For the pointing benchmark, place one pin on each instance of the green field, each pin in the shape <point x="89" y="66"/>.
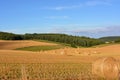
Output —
<point x="104" y="45"/>
<point x="41" y="48"/>
<point x="59" y="43"/>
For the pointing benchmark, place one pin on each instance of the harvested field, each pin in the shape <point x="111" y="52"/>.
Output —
<point x="60" y="64"/>
<point x="65" y="55"/>
<point x="12" y="56"/>
<point x="64" y="71"/>
<point x="22" y="43"/>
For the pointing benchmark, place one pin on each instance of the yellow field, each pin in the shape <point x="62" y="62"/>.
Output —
<point x="61" y="64"/>
<point x="71" y="55"/>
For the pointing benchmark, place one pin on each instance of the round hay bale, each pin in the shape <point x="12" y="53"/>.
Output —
<point x="107" y="68"/>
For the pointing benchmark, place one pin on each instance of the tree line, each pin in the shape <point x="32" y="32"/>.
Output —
<point x="111" y="39"/>
<point x="10" y="36"/>
<point x="74" y="41"/>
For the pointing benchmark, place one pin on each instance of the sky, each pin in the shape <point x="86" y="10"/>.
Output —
<point x="92" y="18"/>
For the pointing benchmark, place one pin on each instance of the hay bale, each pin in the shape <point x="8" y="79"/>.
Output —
<point x="107" y="68"/>
<point x="62" y="52"/>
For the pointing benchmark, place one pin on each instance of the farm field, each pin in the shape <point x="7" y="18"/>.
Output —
<point x="8" y="45"/>
<point x="41" y="48"/>
<point x="47" y="71"/>
<point x="59" y="64"/>
<point x="59" y="40"/>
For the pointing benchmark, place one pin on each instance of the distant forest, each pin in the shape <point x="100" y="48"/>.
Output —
<point x="73" y="41"/>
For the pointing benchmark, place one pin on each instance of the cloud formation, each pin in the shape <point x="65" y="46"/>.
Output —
<point x="107" y="31"/>
<point x="80" y="5"/>
<point x="96" y="33"/>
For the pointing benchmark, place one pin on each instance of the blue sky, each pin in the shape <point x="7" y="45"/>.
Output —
<point x="93" y="18"/>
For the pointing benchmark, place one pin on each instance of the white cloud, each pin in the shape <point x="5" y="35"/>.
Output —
<point x="84" y="4"/>
<point x="66" y="7"/>
<point x="91" y="32"/>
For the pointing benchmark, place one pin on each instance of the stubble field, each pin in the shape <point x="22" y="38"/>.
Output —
<point x="59" y="64"/>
